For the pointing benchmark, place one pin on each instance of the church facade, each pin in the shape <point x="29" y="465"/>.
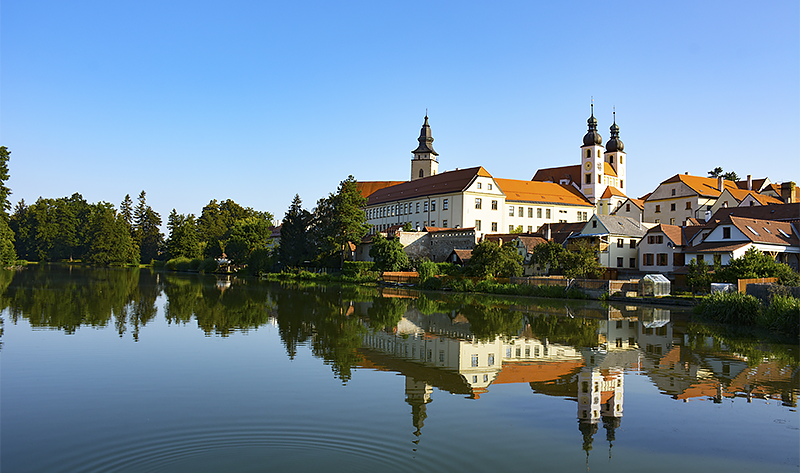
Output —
<point x="473" y="198"/>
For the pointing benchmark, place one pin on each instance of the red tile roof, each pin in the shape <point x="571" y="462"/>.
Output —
<point x="367" y="188"/>
<point x="541" y="192"/>
<point x="446" y="182"/>
<point x="573" y="173"/>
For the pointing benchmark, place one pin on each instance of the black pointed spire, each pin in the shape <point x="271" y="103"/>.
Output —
<point x="425" y="139"/>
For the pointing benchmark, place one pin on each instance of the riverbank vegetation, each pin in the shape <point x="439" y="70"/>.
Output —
<point x="781" y="313"/>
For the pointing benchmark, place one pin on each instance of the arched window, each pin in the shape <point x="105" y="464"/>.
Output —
<point x="420" y="173"/>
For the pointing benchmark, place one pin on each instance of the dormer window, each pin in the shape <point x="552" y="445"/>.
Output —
<point x="726" y="232"/>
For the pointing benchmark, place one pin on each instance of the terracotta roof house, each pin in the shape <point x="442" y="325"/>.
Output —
<point x="738" y="197"/>
<point x="682" y="197"/>
<point x="728" y="238"/>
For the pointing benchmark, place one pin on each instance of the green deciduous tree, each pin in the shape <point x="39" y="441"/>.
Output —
<point x="247" y="235"/>
<point x="697" y="277"/>
<point x="548" y="256"/>
<point x="388" y="254"/>
<point x="490" y="259"/>
<point x="581" y="261"/>
<point x="338" y="220"/>
<point x="756" y="264"/>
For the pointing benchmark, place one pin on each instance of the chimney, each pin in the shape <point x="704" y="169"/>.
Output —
<point x="788" y="191"/>
<point x="720" y="183"/>
<point x="547" y="233"/>
<point x="708" y="215"/>
<point x="749" y="182"/>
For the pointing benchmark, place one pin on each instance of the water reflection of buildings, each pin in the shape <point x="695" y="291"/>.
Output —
<point x="440" y="351"/>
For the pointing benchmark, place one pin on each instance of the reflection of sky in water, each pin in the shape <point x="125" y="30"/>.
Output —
<point x="181" y="400"/>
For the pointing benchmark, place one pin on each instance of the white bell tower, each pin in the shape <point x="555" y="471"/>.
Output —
<point x="592" y="162"/>
<point x="425" y="162"/>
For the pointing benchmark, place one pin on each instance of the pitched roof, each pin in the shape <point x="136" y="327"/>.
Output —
<point x="740" y="195"/>
<point x="778" y="212"/>
<point x="612" y="191"/>
<point x="446" y="182"/>
<point x="621" y="225"/>
<point x="756" y="184"/>
<point x="673" y="232"/>
<point x="445" y="229"/>
<point x="463" y="255"/>
<point x="366" y="188"/>
<point x="766" y="231"/>
<point x="573" y="173"/>
<point x="705" y="186"/>
<point x="717" y="246"/>
<point x="559" y="232"/>
<point x="544" y="192"/>
<point x="609" y="170"/>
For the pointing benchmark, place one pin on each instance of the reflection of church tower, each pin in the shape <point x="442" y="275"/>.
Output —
<point x="425" y="162"/>
<point x="418" y="394"/>
<point x="600" y="396"/>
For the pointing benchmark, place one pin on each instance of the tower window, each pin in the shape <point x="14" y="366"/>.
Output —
<point x="588" y="179"/>
<point x="599" y="179"/>
<point x="588" y="153"/>
<point x="620" y="159"/>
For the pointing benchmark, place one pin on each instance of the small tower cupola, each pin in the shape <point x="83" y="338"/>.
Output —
<point x="424" y="163"/>
<point x="614" y="143"/>
<point x="592" y="137"/>
<point x="425" y="140"/>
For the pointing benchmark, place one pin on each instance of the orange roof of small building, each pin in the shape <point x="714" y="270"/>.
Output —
<point x="705" y="186"/>
<point x="366" y="188"/>
<point x="544" y="192"/>
<point x="763" y="199"/>
<point x="673" y="232"/>
<point x="612" y="191"/>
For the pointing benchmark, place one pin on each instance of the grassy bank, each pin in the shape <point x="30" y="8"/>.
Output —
<point x="781" y="314"/>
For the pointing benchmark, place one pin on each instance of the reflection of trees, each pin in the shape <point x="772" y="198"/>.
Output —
<point x="322" y="316"/>
<point x="66" y="298"/>
<point x="386" y="312"/>
<point x="574" y="332"/>
<point x="489" y="322"/>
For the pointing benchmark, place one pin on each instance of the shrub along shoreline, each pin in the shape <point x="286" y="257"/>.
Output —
<point x="782" y="313"/>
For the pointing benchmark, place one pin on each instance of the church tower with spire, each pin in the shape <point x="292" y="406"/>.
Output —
<point x="615" y="155"/>
<point x="425" y="162"/>
<point x="592" y="162"/>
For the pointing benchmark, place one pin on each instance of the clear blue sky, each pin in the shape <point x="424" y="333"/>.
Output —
<point x="259" y="101"/>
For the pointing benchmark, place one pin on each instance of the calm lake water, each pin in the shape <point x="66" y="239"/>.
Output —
<point x="133" y="370"/>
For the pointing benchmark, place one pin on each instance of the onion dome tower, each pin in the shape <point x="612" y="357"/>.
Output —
<point x="592" y="166"/>
<point x="615" y="156"/>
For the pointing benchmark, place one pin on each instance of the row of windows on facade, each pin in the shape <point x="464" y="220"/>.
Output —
<point x="405" y="209"/>
<point x="511" y="228"/>
<point x="662" y="259"/>
<point x="609" y="180"/>
<point x="416" y="225"/>
<point x="672" y="207"/>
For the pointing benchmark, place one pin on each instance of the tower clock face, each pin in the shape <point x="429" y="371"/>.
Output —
<point x="588" y="165"/>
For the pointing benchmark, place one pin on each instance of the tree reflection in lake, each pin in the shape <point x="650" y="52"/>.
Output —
<point x="470" y="345"/>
